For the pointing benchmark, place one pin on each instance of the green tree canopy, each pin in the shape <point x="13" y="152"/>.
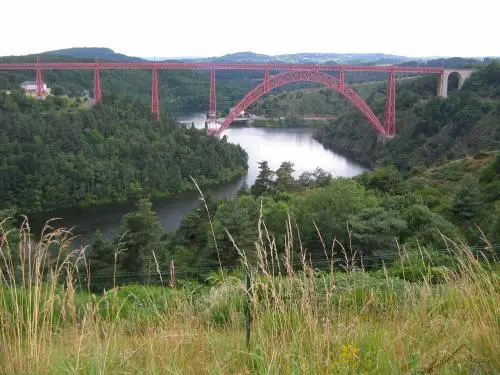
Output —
<point x="375" y="231"/>
<point x="264" y="182"/>
<point x="467" y="199"/>
<point x="140" y="237"/>
<point x="284" y="177"/>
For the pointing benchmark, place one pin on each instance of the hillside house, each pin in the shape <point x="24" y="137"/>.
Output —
<point x="30" y="86"/>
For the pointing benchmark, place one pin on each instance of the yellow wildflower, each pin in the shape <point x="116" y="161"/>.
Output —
<point x="348" y="353"/>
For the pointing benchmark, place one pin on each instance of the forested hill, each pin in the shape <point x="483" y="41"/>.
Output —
<point x="56" y="154"/>
<point x="429" y="128"/>
<point x="102" y="54"/>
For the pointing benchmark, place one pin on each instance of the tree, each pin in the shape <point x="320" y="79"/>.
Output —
<point x="275" y="218"/>
<point x="494" y="230"/>
<point x="57" y="91"/>
<point x="375" y="230"/>
<point x="141" y="233"/>
<point x="306" y="179"/>
<point x="101" y="264"/>
<point x="327" y="210"/>
<point x="322" y="177"/>
<point x="387" y="180"/>
<point x="238" y="217"/>
<point x="467" y="199"/>
<point x="284" y="174"/>
<point x="426" y="228"/>
<point x="264" y="182"/>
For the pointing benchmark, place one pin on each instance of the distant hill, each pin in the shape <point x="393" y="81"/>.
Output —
<point x="94" y="53"/>
<point x="245" y="57"/>
<point x="451" y="62"/>
<point x="306" y="58"/>
<point x="107" y="54"/>
<point x="343" y="58"/>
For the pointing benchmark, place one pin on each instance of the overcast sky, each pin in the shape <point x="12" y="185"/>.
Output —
<point x="166" y="28"/>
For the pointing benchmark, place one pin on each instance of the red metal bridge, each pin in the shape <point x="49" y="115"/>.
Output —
<point x="287" y="73"/>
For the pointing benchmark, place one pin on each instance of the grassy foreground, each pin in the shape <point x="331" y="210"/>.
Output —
<point x="303" y="321"/>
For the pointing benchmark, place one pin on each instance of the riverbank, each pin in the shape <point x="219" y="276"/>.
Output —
<point x="296" y="145"/>
<point x="228" y="177"/>
<point x="334" y="147"/>
<point x="283" y="123"/>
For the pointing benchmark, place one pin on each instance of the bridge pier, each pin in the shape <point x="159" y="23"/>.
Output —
<point x="97" y="84"/>
<point x="463" y="74"/>
<point x="266" y="79"/>
<point x="212" y="109"/>
<point x="155" y="97"/>
<point x="341" y="79"/>
<point x="40" y="92"/>
<point x="390" y="106"/>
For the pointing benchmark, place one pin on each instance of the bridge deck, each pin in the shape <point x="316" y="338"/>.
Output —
<point x="218" y="66"/>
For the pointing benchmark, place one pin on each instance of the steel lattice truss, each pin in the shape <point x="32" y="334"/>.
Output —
<point x="306" y="76"/>
<point x="217" y="66"/>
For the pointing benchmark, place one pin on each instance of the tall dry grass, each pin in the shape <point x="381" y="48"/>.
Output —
<point x="303" y="321"/>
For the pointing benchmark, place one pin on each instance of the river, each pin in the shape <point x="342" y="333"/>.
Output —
<point x="274" y="145"/>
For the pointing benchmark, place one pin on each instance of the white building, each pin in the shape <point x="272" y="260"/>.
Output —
<point x="30" y="86"/>
<point x="242" y="113"/>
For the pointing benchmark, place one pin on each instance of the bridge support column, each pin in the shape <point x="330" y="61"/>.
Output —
<point x="97" y="84"/>
<point x="443" y="85"/>
<point x="266" y="80"/>
<point x="155" y="98"/>
<point x="390" y="106"/>
<point x="341" y="79"/>
<point x="40" y="91"/>
<point x="212" y="111"/>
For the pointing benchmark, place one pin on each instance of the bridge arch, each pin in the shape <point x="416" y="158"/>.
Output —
<point x="463" y="74"/>
<point x="302" y="76"/>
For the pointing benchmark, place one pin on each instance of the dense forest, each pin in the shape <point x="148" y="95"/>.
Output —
<point x="59" y="153"/>
<point x="368" y="220"/>
<point x="430" y="129"/>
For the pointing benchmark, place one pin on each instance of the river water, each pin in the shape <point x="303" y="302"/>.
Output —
<point x="274" y="145"/>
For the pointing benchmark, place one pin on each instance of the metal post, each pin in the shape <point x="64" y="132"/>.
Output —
<point x="212" y="112"/>
<point x="266" y="80"/>
<point x="97" y="84"/>
<point x="341" y="79"/>
<point x="39" y="79"/>
<point x="155" y="97"/>
<point x="211" y="124"/>
<point x="390" y="105"/>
